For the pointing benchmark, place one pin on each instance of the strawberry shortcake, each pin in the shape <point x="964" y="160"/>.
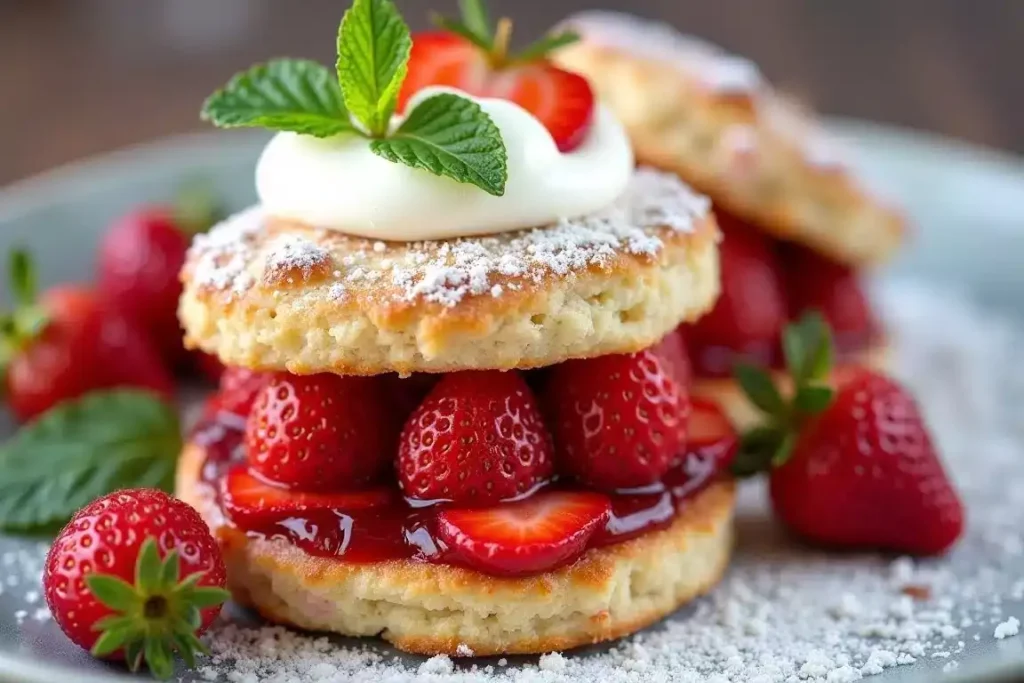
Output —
<point x="798" y="223"/>
<point x="457" y="413"/>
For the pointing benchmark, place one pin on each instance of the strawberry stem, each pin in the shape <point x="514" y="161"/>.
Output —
<point x="154" y="617"/>
<point x="27" y="320"/>
<point x="502" y="40"/>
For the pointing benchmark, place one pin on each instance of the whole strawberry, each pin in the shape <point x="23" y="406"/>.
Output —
<point x="618" y="421"/>
<point x="136" y="575"/>
<point x="68" y="343"/>
<point x="850" y="467"/>
<point x="321" y="432"/>
<point x="140" y="258"/>
<point x="477" y="439"/>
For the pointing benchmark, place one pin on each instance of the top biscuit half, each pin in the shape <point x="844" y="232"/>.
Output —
<point x="266" y="293"/>
<point x="709" y="116"/>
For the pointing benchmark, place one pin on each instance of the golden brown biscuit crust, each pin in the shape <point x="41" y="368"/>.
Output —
<point x="709" y="116"/>
<point x="271" y="294"/>
<point x="439" y="609"/>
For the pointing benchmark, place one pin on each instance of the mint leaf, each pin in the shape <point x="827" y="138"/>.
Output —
<point x="373" y="51"/>
<point x="450" y="136"/>
<point x="295" y="95"/>
<point x="475" y="18"/>
<point x="84" y="449"/>
<point x="545" y="45"/>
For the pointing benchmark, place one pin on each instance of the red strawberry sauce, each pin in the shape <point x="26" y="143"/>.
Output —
<point x="401" y="530"/>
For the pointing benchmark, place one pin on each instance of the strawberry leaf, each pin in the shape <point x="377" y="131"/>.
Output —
<point x="757" y="451"/>
<point x="373" y="54"/>
<point x="295" y="95"/>
<point x="475" y="17"/>
<point x="460" y="29"/>
<point x="450" y="136"/>
<point x="811" y="400"/>
<point x="22" y="273"/>
<point x="760" y="389"/>
<point x="113" y="592"/>
<point x="84" y="449"/>
<point x="545" y="45"/>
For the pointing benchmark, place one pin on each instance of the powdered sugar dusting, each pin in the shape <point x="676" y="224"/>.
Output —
<point x="714" y="67"/>
<point x="446" y="272"/>
<point x="785" y="613"/>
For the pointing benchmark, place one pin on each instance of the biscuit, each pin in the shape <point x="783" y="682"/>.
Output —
<point x="744" y="415"/>
<point x="441" y="609"/>
<point x="693" y="109"/>
<point x="270" y="294"/>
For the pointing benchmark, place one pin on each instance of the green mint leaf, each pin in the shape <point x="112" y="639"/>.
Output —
<point x="460" y="29"/>
<point x="545" y="45"/>
<point x="759" y="387"/>
<point x="811" y="400"/>
<point x="294" y="95"/>
<point x="373" y="53"/>
<point x="450" y="136"/>
<point x="84" y="449"/>
<point x="476" y="19"/>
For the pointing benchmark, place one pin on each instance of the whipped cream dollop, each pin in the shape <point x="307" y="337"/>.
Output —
<point x="338" y="183"/>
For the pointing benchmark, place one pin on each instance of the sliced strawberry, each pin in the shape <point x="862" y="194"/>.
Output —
<point x="710" y="434"/>
<point x="816" y="283"/>
<point x="250" y="501"/>
<point x="751" y="310"/>
<point x="545" y="531"/>
<point x="562" y="101"/>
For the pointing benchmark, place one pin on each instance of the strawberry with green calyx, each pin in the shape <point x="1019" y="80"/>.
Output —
<point x="445" y="134"/>
<point x="69" y="342"/>
<point x="473" y="55"/>
<point x="852" y="466"/>
<point x="111" y="593"/>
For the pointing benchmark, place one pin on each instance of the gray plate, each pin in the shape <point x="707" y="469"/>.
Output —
<point x="968" y="202"/>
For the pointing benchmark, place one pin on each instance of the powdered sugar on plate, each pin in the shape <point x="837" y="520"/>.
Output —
<point x="784" y="613"/>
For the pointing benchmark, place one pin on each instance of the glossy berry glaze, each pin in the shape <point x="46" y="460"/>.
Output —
<point x="378" y="524"/>
<point x="766" y="283"/>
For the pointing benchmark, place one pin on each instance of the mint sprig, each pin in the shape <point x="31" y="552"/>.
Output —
<point x="83" y="449"/>
<point x="807" y="346"/>
<point x="446" y="136"/>
<point x="155" y="616"/>
<point x="373" y="48"/>
<point x="373" y="55"/>
<point x="284" y="94"/>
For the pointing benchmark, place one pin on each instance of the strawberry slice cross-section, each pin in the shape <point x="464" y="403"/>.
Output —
<point x="543" y="532"/>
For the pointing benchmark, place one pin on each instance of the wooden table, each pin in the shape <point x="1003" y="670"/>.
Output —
<point x="79" y="77"/>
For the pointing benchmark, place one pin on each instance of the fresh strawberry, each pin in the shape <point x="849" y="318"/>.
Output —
<point x="473" y="57"/>
<point x="250" y="501"/>
<point x="751" y="309"/>
<point x="855" y="466"/>
<point x="672" y="351"/>
<point x="321" y="432"/>
<point x="239" y="388"/>
<point x="710" y="434"/>
<point x="68" y="344"/>
<point x="618" y="421"/>
<point x="140" y="258"/>
<point x="543" y="532"/>
<point x="110" y="591"/>
<point x="477" y="439"/>
<point x="834" y="290"/>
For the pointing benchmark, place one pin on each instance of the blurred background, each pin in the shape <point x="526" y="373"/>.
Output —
<point x="84" y="76"/>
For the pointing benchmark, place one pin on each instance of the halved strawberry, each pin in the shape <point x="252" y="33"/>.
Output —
<point x="473" y="57"/>
<point x="710" y="434"/>
<point x="250" y="501"/>
<point x="540" y="533"/>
